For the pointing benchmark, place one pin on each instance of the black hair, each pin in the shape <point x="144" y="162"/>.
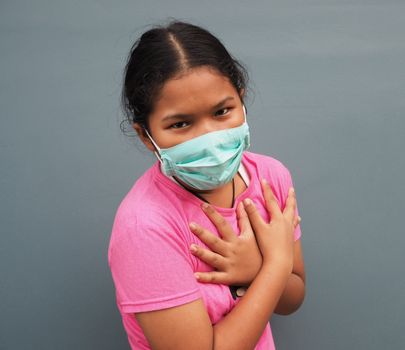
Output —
<point x="164" y="52"/>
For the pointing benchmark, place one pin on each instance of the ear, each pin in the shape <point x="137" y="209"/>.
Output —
<point x="142" y="135"/>
<point x="242" y="94"/>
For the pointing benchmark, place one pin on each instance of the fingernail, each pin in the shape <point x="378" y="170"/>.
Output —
<point x="193" y="225"/>
<point x="205" y="206"/>
<point x="299" y="218"/>
<point x="247" y="201"/>
<point x="197" y="276"/>
<point x="193" y="248"/>
<point x="264" y="182"/>
<point x="292" y="190"/>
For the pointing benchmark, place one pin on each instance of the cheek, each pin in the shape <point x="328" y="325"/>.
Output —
<point x="164" y="138"/>
<point x="238" y="121"/>
<point x="160" y="136"/>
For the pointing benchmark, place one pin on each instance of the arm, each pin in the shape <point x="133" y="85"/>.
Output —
<point x="242" y="262"/>
<point x="237" y="269"/>
<point x="294" y="292"/>
<point x="167" y="329"/>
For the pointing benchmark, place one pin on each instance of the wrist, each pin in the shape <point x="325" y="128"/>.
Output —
<point x="280" y="266"/>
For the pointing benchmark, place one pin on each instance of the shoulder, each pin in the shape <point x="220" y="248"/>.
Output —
<point x="145" y="208"/>
<point x="268" y="166"/>
<point x="142" y="231"/>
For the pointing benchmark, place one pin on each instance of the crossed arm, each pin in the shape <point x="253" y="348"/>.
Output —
<point x="196" y="331"/>
<point x="277" y="286"/>
<point x="242" y="266"/>
<point x="237" y="260"/>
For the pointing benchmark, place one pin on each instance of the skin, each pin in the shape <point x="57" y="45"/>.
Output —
<point x="197" y="102"/>
<point x="196" y="97"/>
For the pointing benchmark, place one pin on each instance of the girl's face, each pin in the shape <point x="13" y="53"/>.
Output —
<point x="195" y="103"/>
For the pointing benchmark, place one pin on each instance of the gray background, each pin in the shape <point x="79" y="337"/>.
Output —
<point x="327" y="100"/>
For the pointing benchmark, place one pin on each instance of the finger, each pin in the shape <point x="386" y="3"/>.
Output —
<point x="254" y="216"/>
<point x="213" y="259"/>
<point x="215" y="243"/>
<point x="270" y="200"/>
<point x="223" y="226"/>
<point x="212" y="277"/>
<point x="297" y="220"/>
<point x="243" y="221"/>
<point x="290" y="205"/>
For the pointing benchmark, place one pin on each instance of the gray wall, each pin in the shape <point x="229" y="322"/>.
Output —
<point x="329" y="86"/>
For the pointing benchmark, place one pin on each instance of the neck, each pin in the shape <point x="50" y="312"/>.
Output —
<point x="223" y="196"/>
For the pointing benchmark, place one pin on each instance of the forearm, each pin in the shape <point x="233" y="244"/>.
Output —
<point x="292" y="296"/>
<point x="243" y="326"/>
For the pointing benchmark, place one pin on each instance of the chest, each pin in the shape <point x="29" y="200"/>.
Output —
<point x="218" y="298"/>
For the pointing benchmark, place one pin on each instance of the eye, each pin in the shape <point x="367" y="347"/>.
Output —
<point x="222" y="111"/>
<point x="179" y="125"/>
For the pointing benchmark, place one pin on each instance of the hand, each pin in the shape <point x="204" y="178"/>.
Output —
<point x="275" y="239"/>
<point x="236" y="260"/>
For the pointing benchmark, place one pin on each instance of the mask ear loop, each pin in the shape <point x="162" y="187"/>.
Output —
<point x="158" y="155"/>
<point x="157" y="148"/>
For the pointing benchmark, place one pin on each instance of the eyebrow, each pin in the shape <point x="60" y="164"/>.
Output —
<point x="182" y="115"/>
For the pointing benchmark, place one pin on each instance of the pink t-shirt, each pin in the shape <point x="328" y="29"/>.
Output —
<point x="149" y="255"/>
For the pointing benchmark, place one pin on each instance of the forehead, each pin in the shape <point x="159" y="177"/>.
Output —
<point x="197" y="88"/>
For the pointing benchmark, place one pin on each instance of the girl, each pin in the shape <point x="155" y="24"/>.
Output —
<point x="196" y="261"/>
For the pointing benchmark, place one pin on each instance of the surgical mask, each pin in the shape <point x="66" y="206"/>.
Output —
<point x="207" y="161"/>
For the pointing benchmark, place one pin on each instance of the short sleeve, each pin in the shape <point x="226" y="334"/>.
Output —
<point x="285" y="183"/>
<point x="150" y="267"/>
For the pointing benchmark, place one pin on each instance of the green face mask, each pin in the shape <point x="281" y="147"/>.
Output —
<point x="207" y="161"/>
